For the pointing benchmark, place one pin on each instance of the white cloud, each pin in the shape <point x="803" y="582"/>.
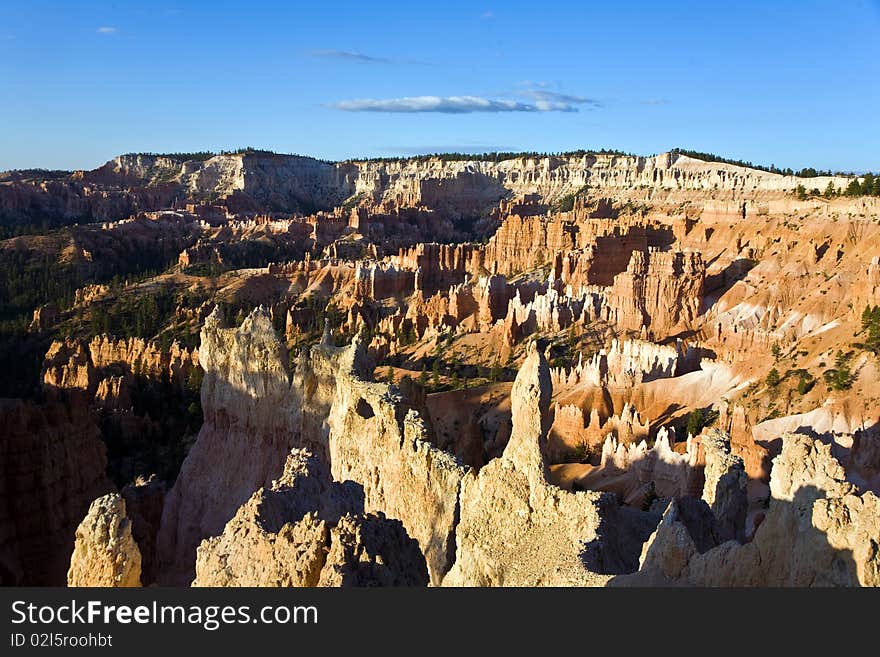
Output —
<point x="107" y="30"/>
<point x="463" y="104"/>
<point x="553" y="98"/>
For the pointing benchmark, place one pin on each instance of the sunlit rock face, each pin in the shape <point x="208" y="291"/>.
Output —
<point x="818" y="531"/>
<point x="516" y="529"/>
<point x="105" y="554"/>
<point x="306" y="530"/>
<point x="251" y="423"/>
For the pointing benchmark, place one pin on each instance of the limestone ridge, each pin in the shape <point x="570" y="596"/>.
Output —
<point x="129" y="183"/>
<point x="104" y="553"/>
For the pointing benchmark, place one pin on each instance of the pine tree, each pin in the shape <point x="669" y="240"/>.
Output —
<point x="695" y="422"/>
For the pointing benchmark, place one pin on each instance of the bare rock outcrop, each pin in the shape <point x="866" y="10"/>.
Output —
<point x="376" y="440"/>
<point x="307" y="531"/>
<point x="256" y="412"/>
<point x="724" y="489"/>
<point x="105" y="553"/>
<point x="251" y="424"/>
<point x="372" y="550"/>
<point x="662" y="291"/>
<point x="103" y="368"/>
<point x="68" y="366"/>
<point x="516" y="529"/>
<point x="818" y="531"/>
<point x="635" y="472"/>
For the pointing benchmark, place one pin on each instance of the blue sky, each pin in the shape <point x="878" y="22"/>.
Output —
<point x="794" y="83"/>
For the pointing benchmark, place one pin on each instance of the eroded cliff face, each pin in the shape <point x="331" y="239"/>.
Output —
<point x="135" y="182"/>
<point x="400" y="490"/>
<point x="378" y="441"/>
<point x="379" y="503"/>
<point x="307" y="530"/>
<point x="251" y="424"/>
<point x="105" y="367"/>
<point x="256" y="412"/>
<point x="661" y="291"/>
<point x="516" y="529"/>
<point x="818" y="531"/>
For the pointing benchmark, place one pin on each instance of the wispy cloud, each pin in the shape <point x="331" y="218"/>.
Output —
<point x="107" y="29"/>
<point x="350" y="55"/>
<point x="655" y="101"/>
<point x="554" y="98"/>
<point x="464" y="104"/>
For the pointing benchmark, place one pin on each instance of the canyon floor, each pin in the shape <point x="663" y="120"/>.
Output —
<point x="590" y="369"/>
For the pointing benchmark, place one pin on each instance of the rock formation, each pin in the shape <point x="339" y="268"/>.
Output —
<point x="251" y="424"/>
<point x="673" y="296"/>
<point x="73" y="366"/>
<point x="516" y="529"/>
<point x="105" y="554"/>
<point x="634" y="472"/>
<point x="403" y="475"/>
<point x="660" y="291"/>
<point x="306" y="530"/>
<point x="818" y="531"/>
<point x="149" y="182"/>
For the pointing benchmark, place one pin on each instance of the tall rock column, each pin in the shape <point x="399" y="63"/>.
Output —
<point x="105" y="554"/>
